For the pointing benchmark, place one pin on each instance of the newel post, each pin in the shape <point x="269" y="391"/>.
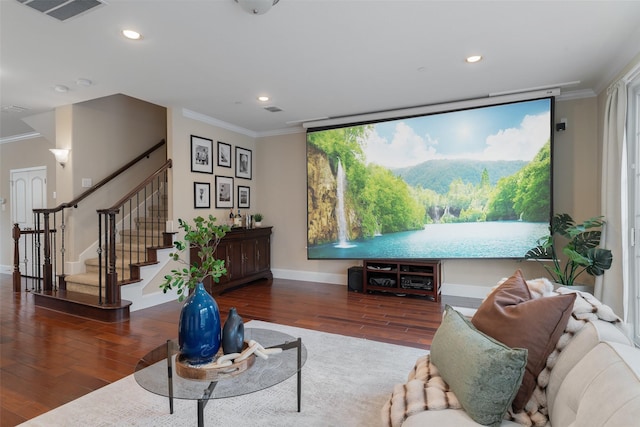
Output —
<point x="16" y="258"/>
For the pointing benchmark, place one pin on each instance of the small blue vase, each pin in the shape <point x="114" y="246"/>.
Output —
<point x="199" y="330"/>
<point x="233" y="333"/>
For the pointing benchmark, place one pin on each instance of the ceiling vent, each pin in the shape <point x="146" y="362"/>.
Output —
<point x="273" y="109"/>
<point x="62" y="9"/>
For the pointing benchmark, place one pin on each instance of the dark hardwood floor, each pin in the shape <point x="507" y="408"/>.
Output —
<point x="49" y="358"/>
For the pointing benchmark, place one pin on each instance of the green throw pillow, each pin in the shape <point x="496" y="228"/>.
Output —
<point x="483" y="373"/>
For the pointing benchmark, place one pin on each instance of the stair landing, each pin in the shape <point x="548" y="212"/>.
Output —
<point x="82" y="305"/>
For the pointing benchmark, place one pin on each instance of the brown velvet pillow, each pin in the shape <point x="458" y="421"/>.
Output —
<point x="510" y="316"/>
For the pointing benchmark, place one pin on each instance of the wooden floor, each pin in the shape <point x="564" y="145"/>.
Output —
<point x="49" y="358"/>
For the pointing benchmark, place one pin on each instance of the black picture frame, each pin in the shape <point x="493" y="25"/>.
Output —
<point x="201" y="195"/>
<point x="224" y="154"/>
<point x="201" y="154"/>
<point x="224" y="191"/>
<point x="244" y="197"/>
<point x="243" y="163"/>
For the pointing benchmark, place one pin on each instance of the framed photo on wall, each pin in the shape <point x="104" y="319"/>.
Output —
<point x="201" y="154"/>
<point x="243" y="163"/>
<point x="224" y="192"/>
<point x="224" y="154"/>
<point x="201" y="195"/>
<point x="244" y="197"/>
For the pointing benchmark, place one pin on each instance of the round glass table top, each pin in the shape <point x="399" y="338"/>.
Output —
<point x="152" y="371"/>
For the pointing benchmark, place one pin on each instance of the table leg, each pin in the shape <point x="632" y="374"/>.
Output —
<point x="203" y="402"/>
<point x="170" y="376"/>
<point x="299" y="345"/>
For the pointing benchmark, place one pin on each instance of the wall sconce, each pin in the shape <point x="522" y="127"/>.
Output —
<point x="257" y="7"/>
<point x="62" y="155"/>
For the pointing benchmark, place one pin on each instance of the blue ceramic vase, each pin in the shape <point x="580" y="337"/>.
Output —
<point x="199" y="330"/>
<point x="233" y="333"/>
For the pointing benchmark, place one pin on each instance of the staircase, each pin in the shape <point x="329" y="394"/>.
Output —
<point x="126" y="274"/>
<point x="138" y="248"/>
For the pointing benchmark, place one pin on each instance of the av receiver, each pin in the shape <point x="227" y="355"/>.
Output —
<point x="416" y="282"/>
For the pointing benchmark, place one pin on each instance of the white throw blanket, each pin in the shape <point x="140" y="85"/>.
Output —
<point x="426" y="390"/>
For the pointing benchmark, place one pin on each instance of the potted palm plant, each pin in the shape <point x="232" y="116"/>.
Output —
<point x="582" y="250"/>
<point x="199" y="328"/>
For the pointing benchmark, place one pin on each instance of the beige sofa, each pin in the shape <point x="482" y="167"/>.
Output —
<point x="595" y="383"/>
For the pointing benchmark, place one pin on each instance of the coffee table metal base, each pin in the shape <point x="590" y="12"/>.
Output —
<point x="202" y="402"/>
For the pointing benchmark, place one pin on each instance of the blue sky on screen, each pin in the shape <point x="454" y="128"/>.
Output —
<point x="504" y="132"/>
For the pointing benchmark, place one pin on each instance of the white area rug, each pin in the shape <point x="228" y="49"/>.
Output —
<point x="345" y="382"/>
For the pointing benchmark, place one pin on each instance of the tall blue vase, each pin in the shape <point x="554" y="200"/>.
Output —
<point x="199" y="330"/>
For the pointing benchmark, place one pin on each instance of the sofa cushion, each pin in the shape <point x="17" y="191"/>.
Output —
<point x="511" y="316"/>
<point x="483" y="373"/>
<point x="603" y="389"/>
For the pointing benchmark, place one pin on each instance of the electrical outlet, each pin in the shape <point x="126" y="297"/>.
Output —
<point x="86" y="183"/>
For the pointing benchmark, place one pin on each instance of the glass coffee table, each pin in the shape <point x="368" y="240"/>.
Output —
<point x="155" y="372"/>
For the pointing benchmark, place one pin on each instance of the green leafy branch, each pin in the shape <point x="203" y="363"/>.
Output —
<point x="204" y="235"/>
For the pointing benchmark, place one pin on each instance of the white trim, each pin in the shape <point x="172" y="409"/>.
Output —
<point x="310" y="276"/>
<point x="6" y="269"/>
<point x="467" y="291"/>
<point x="228" y="126"/>
<point x="20" y="137"/>
<point x="450" y="289"/>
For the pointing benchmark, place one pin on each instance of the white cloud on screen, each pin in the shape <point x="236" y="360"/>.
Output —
<point x="521" y="143"/>
<point x="407" y="148"/>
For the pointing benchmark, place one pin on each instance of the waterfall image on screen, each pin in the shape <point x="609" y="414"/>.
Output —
<point x="473" y="183"/>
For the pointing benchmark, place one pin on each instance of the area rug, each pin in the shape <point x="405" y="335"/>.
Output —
<point x="345" y="382"/>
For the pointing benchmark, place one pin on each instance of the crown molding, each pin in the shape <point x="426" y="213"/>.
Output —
<point x="20" y="137"/>
<point x="234" y="128"/>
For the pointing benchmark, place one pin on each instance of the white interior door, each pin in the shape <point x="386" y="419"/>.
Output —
<point x="28" y="192"/>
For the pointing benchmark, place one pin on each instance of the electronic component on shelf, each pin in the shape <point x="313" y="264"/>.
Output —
<point x="416" y="282"/>
<point x="382" y="281"/>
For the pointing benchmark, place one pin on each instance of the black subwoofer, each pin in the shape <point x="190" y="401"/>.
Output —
<point x="354" y="280"/>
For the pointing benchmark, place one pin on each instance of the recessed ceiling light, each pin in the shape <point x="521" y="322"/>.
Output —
<point x="473" y="58"/>
<point x="84" y="82"/>
<point x="132" y="35"/>
<point x="61" y="88"/>
<point x="263" y="98"/>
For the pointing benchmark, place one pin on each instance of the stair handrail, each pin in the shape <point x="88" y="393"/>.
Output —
<point x="107" y="218"/>
<point x="118" y="172"/>
<point x="47" y="267"/>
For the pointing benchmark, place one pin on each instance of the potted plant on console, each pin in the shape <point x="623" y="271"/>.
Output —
<point x="199" y="329"/>
<point x="257" y="218"/>
<point x="582" y="250"/>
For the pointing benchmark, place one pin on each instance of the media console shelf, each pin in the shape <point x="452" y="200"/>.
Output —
<point x="415" y="277"/>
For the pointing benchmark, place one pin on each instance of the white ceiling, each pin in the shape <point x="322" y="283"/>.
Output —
<point x="314" y="58"/>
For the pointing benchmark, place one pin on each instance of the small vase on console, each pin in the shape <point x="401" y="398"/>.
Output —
<point x="233" y="333"/>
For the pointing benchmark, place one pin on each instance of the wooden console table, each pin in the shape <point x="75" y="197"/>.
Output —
<point x="247" y="257"/>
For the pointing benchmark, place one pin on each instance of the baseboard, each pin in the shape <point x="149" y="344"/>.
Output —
<point x="6" y="269"/>
<point x="450" y="289"/>
<point x="467" y="291"/>
<point x="310" y="276"/>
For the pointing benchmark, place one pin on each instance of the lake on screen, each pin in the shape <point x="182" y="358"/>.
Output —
<point x="500" y="239"/>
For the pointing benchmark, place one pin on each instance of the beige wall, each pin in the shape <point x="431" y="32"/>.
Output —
<point x="179" y="150"/>
<point x="282" y="181"/>
<point x="103" y="135"/>
<point x="278" y="187"/>
<point x="20" y="155"/>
